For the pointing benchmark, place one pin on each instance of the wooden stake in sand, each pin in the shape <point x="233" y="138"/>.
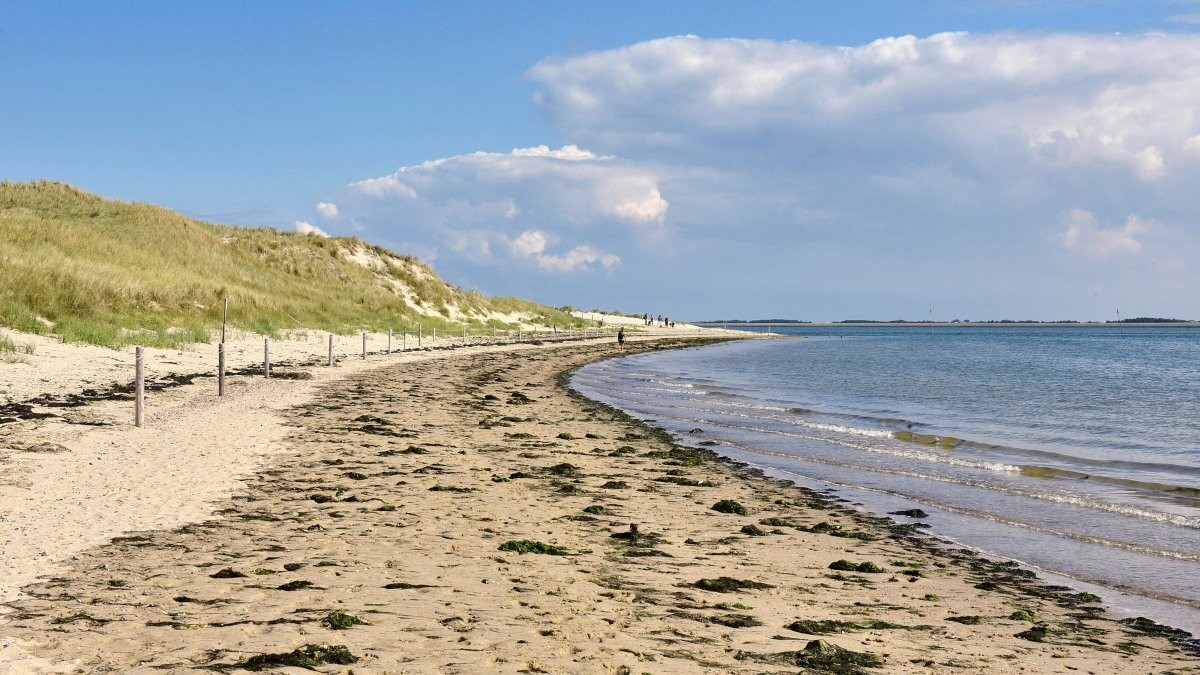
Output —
<point x="389" y="347"/>
<point x="330" y="350"/>
<point x="221" y="369"/>
<point x="364" y="345"/>
<point x="267" y="358"/>
<point x="139" y="398"/>
<point x="464" y="334"/>
<point x="403" y="340"/>
<point x="420" y="330"/>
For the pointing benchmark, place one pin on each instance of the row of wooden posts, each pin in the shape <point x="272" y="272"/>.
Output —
<point x="140" y="371"/>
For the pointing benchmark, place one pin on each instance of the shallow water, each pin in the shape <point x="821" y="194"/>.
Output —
<point x="1075" y="450"/>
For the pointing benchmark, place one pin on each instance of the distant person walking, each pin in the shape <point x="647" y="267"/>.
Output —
<point x="621" y="339"/>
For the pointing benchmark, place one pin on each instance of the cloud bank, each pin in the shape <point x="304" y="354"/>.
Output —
<point x="871" y="180"/>
<point x="505" y="208"/>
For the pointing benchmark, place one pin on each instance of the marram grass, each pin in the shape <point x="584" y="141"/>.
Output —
<point x="113" y="273"/>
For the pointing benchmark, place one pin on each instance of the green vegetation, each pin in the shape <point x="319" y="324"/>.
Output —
<point x="113" y="273"/>
<point x="307" y="657"/>
<point x="529" y="546"/>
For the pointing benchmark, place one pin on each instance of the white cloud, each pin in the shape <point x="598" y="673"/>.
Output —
<point x="471" y="205"/>
<point x="305" y="227"/>
<point x="1067" y="100"/>
<point x="529" y="243"/>
<point x="327" y="210"/>
<point x="580" y="257"/>
<point x="1084" y="235"/>
<point x="791" y="163"/>
<point x="533" y="243"/>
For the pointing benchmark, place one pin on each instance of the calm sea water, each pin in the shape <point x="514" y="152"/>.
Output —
<point x="1074" y="450"/>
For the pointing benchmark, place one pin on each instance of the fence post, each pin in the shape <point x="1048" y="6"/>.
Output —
<point x="433" y="336"/>
<point x="224" y="320"/>
<point x="331" y="350"/>
<point x="221" y="369"/>
<point x="420" y="331"/>
<point x="364" y="345"/>
<point x="267" y="358"/>
<point x="403" y="340"/>
<point x="139" y="397"/>
<point x="389" y="347"/>
<point x="464" y="335"/>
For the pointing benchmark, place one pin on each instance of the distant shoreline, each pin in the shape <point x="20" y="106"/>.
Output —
<point x="948" y="324"/>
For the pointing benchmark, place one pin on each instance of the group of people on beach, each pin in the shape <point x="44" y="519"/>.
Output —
<point x="660" y="321"/>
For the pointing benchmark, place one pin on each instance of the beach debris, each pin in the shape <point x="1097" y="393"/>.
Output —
<point x="910" y="513"/>
<point x="529" y="546"/>
<point x="753" y="531"/>
<point x="85" y="617"/>
<point x="968" y="620"/>
<point x="307" y="657"/>
<point x="297" y="585"/>
<point x="820" y="656"/>
<point x="615" y="485"/>
<point x="832" y="626"/>
<point x="1038" y="633"/>
<point x="227" y="573"/>
<point x="730" y="506"/>
<point x="565" y="470"/>
<point x="339" y="619"/>
<point x="1180" y="638"/>
<point x="1023" y="615"/>
<point x="847" y="566"/>
<point x="730" y="585"/>
<point x="727" y="620"/>
<point x="405" y="586"/>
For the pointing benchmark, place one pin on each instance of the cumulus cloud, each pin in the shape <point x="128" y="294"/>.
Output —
<point x="305" y="227"/>
<point x="1063" y="99"/>
<point x="533" y="243"/>
<point x="1084" y="235"/>
<point x="792" y="162"/>
<point x="471" y="205"/>
<point x="327" y="210"/>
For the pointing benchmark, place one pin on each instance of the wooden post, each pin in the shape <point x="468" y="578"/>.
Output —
<point x="389" y="347"/>
<point x="434" y="335"/>
<point x="364" y="345"/>
<point x="224" y="320"/>
<point x="464" y="334"/>
<point x="420" y="330"/>
<point x="330" y="350"/>
<point x="221" y="369"/>
<point x="403" y="340"/>
<point x="267" y="358"/>
<point x="139" y="397"/>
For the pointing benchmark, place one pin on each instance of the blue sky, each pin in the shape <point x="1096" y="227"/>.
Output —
<point x="988" y="159"/>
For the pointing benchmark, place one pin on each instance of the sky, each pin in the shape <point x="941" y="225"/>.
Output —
<point x="977" y="159"/>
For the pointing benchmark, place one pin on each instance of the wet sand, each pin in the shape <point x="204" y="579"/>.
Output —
<point x="465" y="514"/>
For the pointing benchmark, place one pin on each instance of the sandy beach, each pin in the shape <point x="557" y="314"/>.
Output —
<point x="462" y="512"/>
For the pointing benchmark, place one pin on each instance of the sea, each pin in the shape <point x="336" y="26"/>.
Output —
<point x="1073" y="450"/>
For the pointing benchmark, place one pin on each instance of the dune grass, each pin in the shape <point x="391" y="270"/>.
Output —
<point x="113" y="273"/>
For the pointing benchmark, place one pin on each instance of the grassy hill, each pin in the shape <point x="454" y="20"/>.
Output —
<point x="109" y="272"/>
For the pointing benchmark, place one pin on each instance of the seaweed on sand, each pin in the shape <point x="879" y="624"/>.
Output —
<point x="730" y="506"/>
<point x="831" y="626"/>
<point x="306" y="656"/>
<point x="820" y="656"/>
<point x="340" y="619"/>
<point x="530" y="546"/>
<point x="729" y="585"/>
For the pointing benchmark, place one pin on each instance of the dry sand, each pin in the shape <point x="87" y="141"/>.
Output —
<point x="389" y="493"/>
